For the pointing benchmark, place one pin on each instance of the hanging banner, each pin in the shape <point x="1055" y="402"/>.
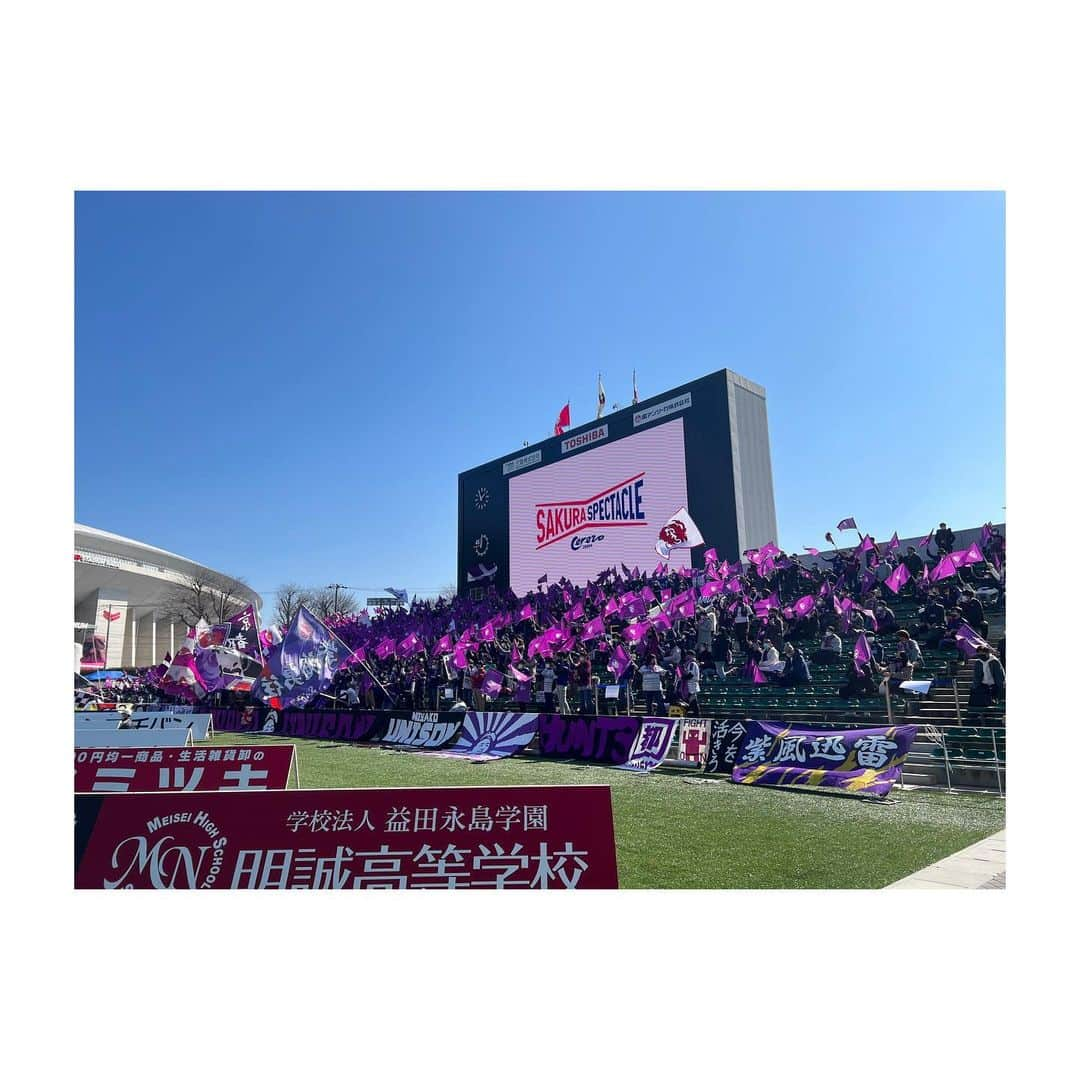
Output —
<point x="725" y="741"/>
<point x="652" y="743"/>
<point x="200" y="724"/>
<point x="336" y="726"/>
<point x="489" y="736"/>
<point x="247" y="719"/>
<point x="694" y="741"/>
<point x="607" y="740"/>
<point x="126" y="737"/>
<point x="374" y="838"/>
<point x="173" y="769"/>
<point x="426" y="730"/>
<point x="866" y="761"/>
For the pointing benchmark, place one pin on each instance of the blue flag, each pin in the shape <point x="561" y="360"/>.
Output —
<point x="302" y="665"/>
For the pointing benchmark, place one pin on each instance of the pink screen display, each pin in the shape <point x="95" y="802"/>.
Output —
<point x="577" y="517"/>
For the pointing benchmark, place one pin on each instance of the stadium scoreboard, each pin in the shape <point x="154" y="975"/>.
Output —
<point x="659" y="481"/>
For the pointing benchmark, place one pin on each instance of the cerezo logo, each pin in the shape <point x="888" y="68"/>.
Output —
<point x="579" y="542"/>
<point x="187" y="853"/>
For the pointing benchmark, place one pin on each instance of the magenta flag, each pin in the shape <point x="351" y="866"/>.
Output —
<point x="847" y="523"/>
<point x="845" y="603"/>
<point x="487" y="632"/>
<point x="493" y="682"/>
<point x="527" y="611"/>
<point x="648" y="595"/>
<point x="711" y="588"/>
<point x="619" y="662"/>
<point x="837" y="607"/>
<point x="460" y="661"/>
<point x="804" y="605"/>
<point x="968" y="642"/>
<point x="894" y="543"/>
<point x="944" y="569"/>
<point x="972" y="555"/>
<point x="925" y="542"/>
<point x="724" y="569"/>
<point x="711" y="556"/>
<point x="733" y="586"/>
<point x="862" y="650"/>
<point x="534" y="646"/>
<point x="518" y="675"/>
<point x="627" y="599"/>
<point x="867" y="544"/>
<point x="898" y="578"/>
<point x="611" y="607"/>
<point x="515" y="655"/>
<point x="635" y="609"/>
<point x="761" y="608"/>
<point x="593" y="628"/>
<point x="577" y="611"/>
<point x="661" y="620"/>
<point x="444" y="645"/>
<point x="660" y="570"/>
<point x="384" y="649"/>
<point x="665" y="595"/>
<point x="636" y="632"/>
<point x="756" y="675"/>
<point x="812" y="550"/>
<point x="687" y="610"/>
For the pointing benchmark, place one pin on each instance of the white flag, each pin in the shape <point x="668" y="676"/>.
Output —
<point x="679" y="531"/>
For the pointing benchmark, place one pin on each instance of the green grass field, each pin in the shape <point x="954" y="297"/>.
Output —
<point x="671" y="834"/>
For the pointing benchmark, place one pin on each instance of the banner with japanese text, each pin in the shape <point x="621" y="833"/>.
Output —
<point x="184" y="769"/>
<point x="865" y="761"/>
<point x="652" y="743"/>
<point x="606" y="740"/>
<point x="694" y="740"/>
<point x="376" y="838"/>
<point x="725" y="741"/>
<point x="422" y="730"/>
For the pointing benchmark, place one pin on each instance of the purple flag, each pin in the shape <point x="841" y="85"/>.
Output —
<point x="711" y="588"/>
<point x="648" y="595"/>
<point x="636" y="632"/>
<point x="444" y="645"/>
<point x="898" y="578"/>
<point x="304" y="664"/>
<point x="686" y="609"/>
<point x="971" y="556"/>
<point x="635" y="609"/>
<point x="487" y="632"/>
<point x="611" y="607"/>
<point x="756" y="675"/>
<point x="711" y="556"/>
<point x="867" y="544"/>
<point x="527" y="611"/>
<point x="518" y="675"/>
<point x="804" y="605"/>
<point x="967" y="641"/>
<point x="243" y="633"/>
<point x="847" y="523"/>
<point x="493" y="682"/>
<point x="619" y="662"/>
<point x="925" y="542"/>
<point x="660" y="569"/>
<point x="894" y="543"/>
<point x="733" y="585"/>
<point x="986" y="534"/>
<point x="461" y="659"/>
<point x="593" y="628"/>
<point x="661" y="620"/>
<point x="813" y="550"/>
<point x="944" y="569"/>
<point x="862" y="651"/>
<point x="577" y="611"/>
<point x="385" y="648"/>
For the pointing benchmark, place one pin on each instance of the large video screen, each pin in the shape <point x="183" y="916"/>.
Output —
<point x="577" y="517"/>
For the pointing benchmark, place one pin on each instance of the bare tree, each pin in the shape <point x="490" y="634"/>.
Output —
<point x="289" y="598"/>
<point x="329" y="601"/>
<point x="203" y="596"/>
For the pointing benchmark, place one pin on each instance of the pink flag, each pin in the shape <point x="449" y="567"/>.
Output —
<point x="384" y="649"/>
<point x="711" y="588"/>
<point x="515" y="655"/>
<point x="898" y="578"/>
<point x="813" y="551"/>
<point x="577" y="611"/>
<point x="518" y="675"/>
<point x="894" y="543"/>
<point x="661" y="620"/>
<point x="636" y="632"/>
<point x="756" y="675"/>
<point x="971" y="556"/>
<point x="944" y="569"/>
<point x="711" y="556"/>
<point x="444" y="645"/>
<point x="867" y="544"/>
<point x="611" y="607"/>
<point x="593" y="628"/>
<point x="527" y="611"/>
<point x="847" y="523"/>
<point x="686" y="609"/>
<point x="804" y="605"/>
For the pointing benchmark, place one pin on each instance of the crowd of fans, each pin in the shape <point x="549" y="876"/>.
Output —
<point x="753" y="632"/>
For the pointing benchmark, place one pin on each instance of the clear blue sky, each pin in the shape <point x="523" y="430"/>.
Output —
<point x="285" y="386"/>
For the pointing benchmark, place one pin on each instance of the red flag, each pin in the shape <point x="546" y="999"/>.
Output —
<point x="564" y="419"/>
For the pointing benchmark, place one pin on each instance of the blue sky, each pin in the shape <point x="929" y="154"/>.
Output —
<point x="285" y="386"/>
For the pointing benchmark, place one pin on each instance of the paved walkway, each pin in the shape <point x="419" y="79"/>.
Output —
<point x="981" y="866"/>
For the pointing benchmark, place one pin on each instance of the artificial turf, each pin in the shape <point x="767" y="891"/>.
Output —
<point x="671" y="834"/>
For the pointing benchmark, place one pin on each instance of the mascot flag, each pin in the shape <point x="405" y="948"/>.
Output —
<point x="303" y="665"/>
<point x="679" y="531"/>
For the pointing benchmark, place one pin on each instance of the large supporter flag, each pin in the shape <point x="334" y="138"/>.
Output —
<point x="242" y="635"/>
<point x="563" y="421"/>
<point x="182" y="679"/>
<point x="303" y="665"/>
<point x="679" y="531"/>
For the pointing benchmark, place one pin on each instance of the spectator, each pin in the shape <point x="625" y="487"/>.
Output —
<point x="944" y="538"/>
<point x="693" y="684"/>
<point x="562" y="684"/>
<point x="972" y="610"/>
<point x="547" y="684"/>
<point x="652" y="687"/>
<point x="909" y="648"/>
<point x="988" y="680"/>
<point x="796" y="670"/>
<point x="861" y="682"/>
<point x="583" y="679"/>
<point x="831" y="648"/>
<point x="706" y="629"/>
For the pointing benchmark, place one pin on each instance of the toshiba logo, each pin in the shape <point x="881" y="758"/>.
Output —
<point x="586" y="438"/>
